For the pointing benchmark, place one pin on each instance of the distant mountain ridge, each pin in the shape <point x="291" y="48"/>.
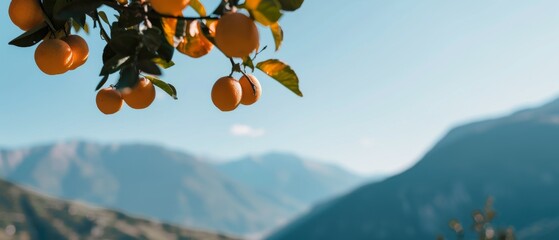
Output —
<point x="145" y="180"/>
<point x="515" y="159"/>
<point x="304" y="181"/>
<point x="28" y="215"/>
<point x="156" y="182"/>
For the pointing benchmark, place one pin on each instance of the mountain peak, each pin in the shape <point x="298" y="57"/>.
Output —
<point x="513" y="159"/>
<point x="544" y="114"/>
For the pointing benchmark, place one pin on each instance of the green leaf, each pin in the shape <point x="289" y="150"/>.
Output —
<point x="220" y="10"/>
<point x="198" y="7"/>
<point x="152" y="39"/>
<point x="291" y="5"/>
<point x="76" y="26"/>
<point x="102" y="82"/>
<point x="282" y="73"/>
<point x="32" y="36"/>
<point x="162" y="63"/>
<point x="166" y="50"/>
<point x="265" y="12"/>
<point x="108" y="53"/>
<point x="125" y="43"/>
<point x="104" y="17"/>
<point x="75" y="8"/>
<point x="247" y="62"/>
<point x="86" y="28"/>
<point x="278" y="34"/>
<point x="147" y="66"/>
<point x="166" y="87"/>
<point x="128" y="77"/>
<point x="131" y="17"/>
<point x="80" y="20"/>
<point x="114" y="64"/>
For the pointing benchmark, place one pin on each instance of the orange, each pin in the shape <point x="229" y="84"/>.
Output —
<point x="80" y="50"/>
<point x="169" y="7"/>
<point x="195" y="44"/>
<point x="250" y="94"/>
<point x="26" y="14"/>
<point x="109" y="100"/>
<point x="53" y="56"/>
<point x="236" y="35"/>
<point x="226" y="94"/>
<point x="141" y="95"/>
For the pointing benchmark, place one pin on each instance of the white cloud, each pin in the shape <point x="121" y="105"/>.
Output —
<point x="242" y="130"/>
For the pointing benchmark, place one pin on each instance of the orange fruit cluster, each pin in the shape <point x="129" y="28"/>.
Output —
<point x="228" y="93"/>
<point x="110" y="100"/>
<point x="52" y="56"/>
<point x="57" y="56"/>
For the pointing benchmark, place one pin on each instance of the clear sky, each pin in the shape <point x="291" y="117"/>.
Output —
<point x="383" y="81"/>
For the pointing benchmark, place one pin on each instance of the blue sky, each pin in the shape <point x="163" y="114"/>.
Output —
<point x="383" y="81"/>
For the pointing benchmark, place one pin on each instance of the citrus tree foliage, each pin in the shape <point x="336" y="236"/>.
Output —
<point x="147" y="34"/>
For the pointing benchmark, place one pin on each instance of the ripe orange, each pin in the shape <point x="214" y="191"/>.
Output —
<point x="53" y="56"/>
<point x="141" y="95"/>
<point x="195" y="44"/>
<point x="236" y="35"/>
<point x="26" y="14"/>
<point x="109" y="100"/>
<point x="80" y="50"/>
<point x="226" y="94"/>
<point x="169" y="7"/>
<point x="250" y="94"/>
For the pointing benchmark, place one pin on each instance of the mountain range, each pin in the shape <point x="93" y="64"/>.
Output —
<point x="303" y="181"/>
<point x="172" y="186"/>
<point x="513" y="159"/>
<point x="25" y="214"/>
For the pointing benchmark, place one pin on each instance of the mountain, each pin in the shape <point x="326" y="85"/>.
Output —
<point x="28" y="215"/>
<point x="304" y="182"/>
<point x="514" y="159"/>
<point x="148" y="181"/>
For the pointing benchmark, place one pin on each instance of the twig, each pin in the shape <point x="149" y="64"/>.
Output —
<point x="103" y="32"/>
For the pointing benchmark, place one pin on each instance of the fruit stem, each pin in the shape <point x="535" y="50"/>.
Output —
<point x="232" y="67"/>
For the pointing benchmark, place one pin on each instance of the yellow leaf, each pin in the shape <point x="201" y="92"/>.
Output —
<point x="198" y="7"/>
<point x="194" y="44"/>
<point x="277" y="32"/>
<point x="281" y="72"/>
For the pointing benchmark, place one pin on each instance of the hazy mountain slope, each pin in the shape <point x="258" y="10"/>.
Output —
<point x="515" y="159"/>
<point x="289" y="175"/>
<point x="146" y="180"/>
<point x="27" y="215"/>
